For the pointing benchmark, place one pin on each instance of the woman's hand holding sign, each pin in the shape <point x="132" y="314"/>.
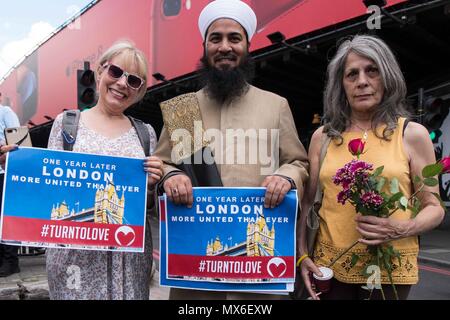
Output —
<point x="154" y="168"/>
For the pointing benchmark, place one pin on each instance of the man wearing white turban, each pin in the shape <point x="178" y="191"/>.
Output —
<point x="228" y="102"/>
<point x="228" y="9"/>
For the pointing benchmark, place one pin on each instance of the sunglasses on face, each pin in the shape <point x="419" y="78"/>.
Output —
<point x="133" y="81"/>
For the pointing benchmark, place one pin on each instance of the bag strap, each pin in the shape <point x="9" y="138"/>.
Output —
<point x="143" y="134"/>
<point x="23" y="139"/>
<point x="323" y="151"/>
<point x="70" y="128"/>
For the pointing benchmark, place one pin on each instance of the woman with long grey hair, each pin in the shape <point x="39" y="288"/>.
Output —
<point x="365" y="98"/>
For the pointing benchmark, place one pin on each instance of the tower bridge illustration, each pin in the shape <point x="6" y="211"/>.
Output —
<point x="260" y="241"/>
<point x="108" y="208"/>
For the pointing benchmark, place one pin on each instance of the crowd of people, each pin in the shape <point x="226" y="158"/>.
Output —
<point x="365" y="97"/>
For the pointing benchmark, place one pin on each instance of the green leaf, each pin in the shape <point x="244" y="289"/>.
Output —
<point x="364" y="270"/>
<point x="403" y="202"/>
<point x="416" y="208"/>
<point x="394" y="186"/>
<point x="355" y="259"/>
<point x="398" y="256"/>
<point x="431" y="182"/>
<point x="396" y="197"/>
<point x="380" y="184"/>
<point x="364" y="211"/>
<point x="432" y="170"/>
<point x="378" y="171"/>
<point x="359" y="208"/>
<point x="387" y="262"/>
<point x="391" y="206"/>
<point x="417" y="180"/>
<point x="380" y="253"/>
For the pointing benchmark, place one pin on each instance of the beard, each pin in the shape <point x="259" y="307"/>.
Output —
<point x="228" y="84"/>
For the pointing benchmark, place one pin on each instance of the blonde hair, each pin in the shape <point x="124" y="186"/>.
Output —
<point x="132" y="55"/>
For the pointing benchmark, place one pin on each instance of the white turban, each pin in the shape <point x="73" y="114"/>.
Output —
<point x="228" y="9"/>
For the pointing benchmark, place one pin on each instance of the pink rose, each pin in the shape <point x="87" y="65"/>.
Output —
<point x="446" y="163"/>
<point x="356" y="147"/>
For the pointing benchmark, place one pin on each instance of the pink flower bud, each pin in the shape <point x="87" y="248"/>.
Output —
<point x="356" y="147"/>
<point x="446" y="163"/>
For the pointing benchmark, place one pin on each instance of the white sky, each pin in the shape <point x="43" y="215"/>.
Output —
<point x="25" y="23"/>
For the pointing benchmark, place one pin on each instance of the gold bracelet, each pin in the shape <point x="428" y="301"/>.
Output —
<point x="303" y="257"/>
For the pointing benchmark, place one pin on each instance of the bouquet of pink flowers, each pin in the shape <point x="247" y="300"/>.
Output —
<point x="363" y="187"/>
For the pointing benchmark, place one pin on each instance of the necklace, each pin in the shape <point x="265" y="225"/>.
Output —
<point x="365" y="135"/>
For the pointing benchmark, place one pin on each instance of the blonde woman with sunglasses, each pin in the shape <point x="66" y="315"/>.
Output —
<point x="104" y="129"/>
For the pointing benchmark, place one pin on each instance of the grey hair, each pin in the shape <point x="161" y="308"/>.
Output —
<point x="132" y="56"/>
<point x="393" y="105"/>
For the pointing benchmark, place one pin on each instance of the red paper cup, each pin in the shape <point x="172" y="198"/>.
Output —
<point x="323" y="284"/>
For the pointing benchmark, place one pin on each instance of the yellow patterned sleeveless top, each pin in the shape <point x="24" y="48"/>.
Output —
<point x="338" y="231"/>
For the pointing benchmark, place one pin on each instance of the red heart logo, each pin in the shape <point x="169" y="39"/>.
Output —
<point x="126" y="239"/>
<point x="125" y="236"/>
<point x="277" y="270"/>
<point x="276" y="267"/>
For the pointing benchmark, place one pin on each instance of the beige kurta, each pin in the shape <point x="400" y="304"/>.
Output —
<point x="258" y="112"/>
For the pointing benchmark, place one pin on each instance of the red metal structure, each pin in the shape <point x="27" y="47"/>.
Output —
<point x="166" y="30"/>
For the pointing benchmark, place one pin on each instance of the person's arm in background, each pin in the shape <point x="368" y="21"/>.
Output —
<point x="10" y="118"/>
<point x="419" y="148"/>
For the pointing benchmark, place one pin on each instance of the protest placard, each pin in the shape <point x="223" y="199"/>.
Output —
<point x="73" y="200"/>
<point x="228" y="239"/>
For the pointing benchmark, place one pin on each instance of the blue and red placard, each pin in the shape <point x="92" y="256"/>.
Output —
<point x="74" y="200"/>
<point x="261" y="287"/>
<point x="229" y="239"/>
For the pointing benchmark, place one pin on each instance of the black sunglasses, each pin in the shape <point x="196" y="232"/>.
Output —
<point x="133" y="81"/>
